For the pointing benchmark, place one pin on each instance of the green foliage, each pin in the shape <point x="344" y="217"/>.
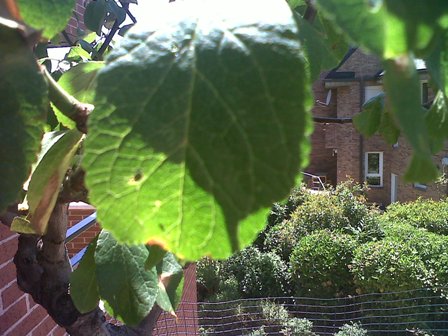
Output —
<point x="431" y="248"/>
<point x="297" y="327"/>
<point x="207" y="277"/>
<point x="24" y="100"/>
<point x="353" y="329"/>
<point x="83" y="282"/>
<point x="200" y="125"/>
<point x="79" y="82"/>
<point x="258" y="274"/>
<point x="388" y="266"/>
<point x="320" y="265"/>
<point x="129" y="289"/>
<point x="50" y="16"/>
<point x="179" y="116"/>
<point x="343" y="210"/>
<point x="428" y="214"/>
<point x="409" y="115"/>
<point x="58" y="150"/>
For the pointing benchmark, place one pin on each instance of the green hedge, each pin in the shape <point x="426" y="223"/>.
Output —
<point x="320" y="265"/>
<point x="427" y="214"/>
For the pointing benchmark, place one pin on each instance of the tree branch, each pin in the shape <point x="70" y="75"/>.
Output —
<point x="67" y="104"/>
<point x="43" y="271"/>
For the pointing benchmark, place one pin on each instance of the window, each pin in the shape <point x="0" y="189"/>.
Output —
<point x="374" y="169"/>
<point x="372" y="91"/>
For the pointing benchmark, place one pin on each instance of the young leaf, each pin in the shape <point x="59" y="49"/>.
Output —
<point x="24" y="101"/>
<point x="58" y="149"/>
<point x="156" y="254"/>
<point x="402" y="85"/>
<point x="388" y="128"/>
<point x="50" y="16"/>
<point x="170" y="278"/>
<point x="196" y="117"/>
<point x="83" y="282"/>
<point x="95" y="14"/>
<point x="368" y="121"/>
<point x="22" y="225"/>
<point x="129" y="289"/>
<point x="79" y="82"/>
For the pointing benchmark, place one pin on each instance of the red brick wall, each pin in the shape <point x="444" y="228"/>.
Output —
<point x="76" y="23"/>
<point x="77" y="213"/>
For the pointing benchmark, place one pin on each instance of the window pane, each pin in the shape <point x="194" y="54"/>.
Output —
<point x="373" y="163"/>
<point x="373" y="180"/>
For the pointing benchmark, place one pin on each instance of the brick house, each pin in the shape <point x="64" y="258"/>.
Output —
<point x="339" y="152"/>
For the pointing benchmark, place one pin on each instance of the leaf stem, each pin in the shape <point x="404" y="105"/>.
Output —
<point x="67" y="104"/>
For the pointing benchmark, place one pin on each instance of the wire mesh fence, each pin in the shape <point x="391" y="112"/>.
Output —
<point x="395" y="313"/>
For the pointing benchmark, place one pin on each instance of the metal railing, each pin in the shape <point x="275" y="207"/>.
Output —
<point x="75" y="231"/>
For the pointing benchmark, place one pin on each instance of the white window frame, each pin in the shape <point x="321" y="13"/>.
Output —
<point x="380" y="170"/>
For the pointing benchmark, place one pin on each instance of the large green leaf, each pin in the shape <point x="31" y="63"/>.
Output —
<point x="200" y="124"/>
<point x="403" y="88"/>
<point x="95" y="14"/>
<point x="129" y="289"/>
<point x="79" y="82"/>
<point x="368" y="121"/>
<point x="50" y="16"/>
<point x="23" y="97"/>
<point x="58" y="149"/>
<point x="319" y="55"/>
<point x="83" y="282"/>
<point x="388" y="28"/>
<point x="437" y="63"/>
<point x="388" y="128"/>
<point x="437" y="122"/>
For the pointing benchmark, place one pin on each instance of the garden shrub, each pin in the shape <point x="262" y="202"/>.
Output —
<point x="387" y="266"/>
<point x="208" y="277"/>
<point x="428" y="214"/>
<point x="343" y="209"/>
<point x="432" y="249"/>
<point x="259" y="274"/>
<point x="298" y="327"/>
<point x="320" y="265"/>
<point x="353" y="329"/>
<point x="281" y="213"/>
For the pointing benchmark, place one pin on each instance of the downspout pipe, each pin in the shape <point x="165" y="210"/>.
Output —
<point x="362" y="90"/>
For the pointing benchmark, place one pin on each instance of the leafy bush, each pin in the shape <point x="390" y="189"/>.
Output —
<point x="343" y="210"/>
<point x="258" y="332"/>
<point x="432" y="249"/>
<point x="353" y="329"/>
<point x="319" y="265"/>
<point x="298" y="327"/>
<point x="282" y="212"/>
<point x="207" y="277"/>
<point x="428" y="214"/>
<point x="258" y="274"/>
<point x="387" y="266"/>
